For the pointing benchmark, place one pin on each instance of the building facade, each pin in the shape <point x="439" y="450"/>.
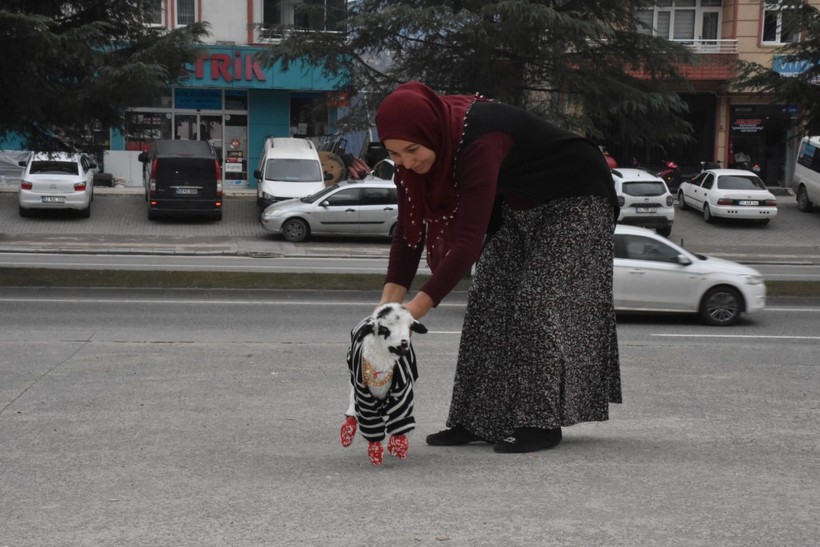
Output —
<point x="230" y="99"/>
<point x="733" y="126"/>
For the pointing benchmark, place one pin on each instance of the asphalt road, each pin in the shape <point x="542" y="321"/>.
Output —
<point x="186" y="418"/>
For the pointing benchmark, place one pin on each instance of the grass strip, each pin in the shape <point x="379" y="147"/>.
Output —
<point x="46" y="277"/>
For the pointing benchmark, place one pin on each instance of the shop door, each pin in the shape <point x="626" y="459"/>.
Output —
<point x="200" y="127"/>
<point x="235" y="169"/>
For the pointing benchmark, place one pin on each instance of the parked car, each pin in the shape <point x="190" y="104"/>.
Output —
<point x="57" y="180"/>
<point x="182" y="177"/>
<point x="652" y="274"/>
<point x="728" y="193"/>
<point x="288" y="168"/>
<point x="807" y="174"/>
<point x="645" y="200"/>
<point x="366" y="208"/>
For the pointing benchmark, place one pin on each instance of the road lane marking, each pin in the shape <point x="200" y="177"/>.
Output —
<point x="733" y="336"/>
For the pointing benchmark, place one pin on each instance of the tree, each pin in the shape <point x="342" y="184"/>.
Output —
<point x="581" y="63"/>
<point x="803" y="89"/>
<point x="67" y="66"/>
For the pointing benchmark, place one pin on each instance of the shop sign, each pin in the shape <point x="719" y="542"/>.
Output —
<point x="748" y="125"/>
<point x="785" y="67"/>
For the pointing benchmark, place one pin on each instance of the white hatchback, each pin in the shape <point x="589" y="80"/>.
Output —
<point x="652" y="274"/>
<point x="645" y="200"/>
<point x="728" y="193"/>
<point x="57" y="180"/>
<point x="367" y="208"/>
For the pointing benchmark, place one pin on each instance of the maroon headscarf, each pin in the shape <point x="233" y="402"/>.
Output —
<point x="415" y="113"/>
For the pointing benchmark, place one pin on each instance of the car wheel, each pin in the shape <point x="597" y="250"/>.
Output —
<point x="217" y="216"/>
<point x="707" y="214"/>
<point x="764" y="221"/>
<point x="681" y="202"/>
<point x="665" y="231"/>
<point x="152" y="215"/>
<point x="392" y="231"/>
<point x="721" y="306"/>
<point x="24" y="212"/>
<point x="803" y="202"/>
<point x="295" y="230"/>
<point x="85" y="213"/>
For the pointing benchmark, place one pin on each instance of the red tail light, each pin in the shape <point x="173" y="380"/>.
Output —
<point x="79" y="187"/>
<point x="25" y="185"/>
<point x="725" y="201"/>
<point x="771" y="203"/>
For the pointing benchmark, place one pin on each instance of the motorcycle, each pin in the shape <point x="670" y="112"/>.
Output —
<point x="671" y="175"/>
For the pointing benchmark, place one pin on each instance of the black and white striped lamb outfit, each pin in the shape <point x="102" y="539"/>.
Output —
<point x="394" y="414"/>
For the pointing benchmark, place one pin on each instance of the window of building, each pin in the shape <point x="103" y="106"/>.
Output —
<point x="155" y="13"/>
<point x="186" y="12"/>
<point x="779" y="24"/>
<point x="687" y="21"/>
<point x="324" y="15"/>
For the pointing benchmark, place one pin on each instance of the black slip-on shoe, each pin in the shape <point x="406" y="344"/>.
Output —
<point x="452" y="437"/>
<point x="528" y="439"/>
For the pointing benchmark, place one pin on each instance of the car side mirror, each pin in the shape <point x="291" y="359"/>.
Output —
<point x="92" y="165"/>
<point x="325" y="203"/>
<point x="683" y="261"/>
<point x="143" y="157"/>
<point x="257" y="174"/>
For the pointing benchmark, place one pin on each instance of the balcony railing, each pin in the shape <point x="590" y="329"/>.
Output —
<point x="710" y="46"/>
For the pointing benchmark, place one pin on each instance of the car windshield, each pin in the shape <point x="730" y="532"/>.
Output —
<point x="320" y="194"/>
<point x="740" y="182"/>
<point x="644" y="188"/>
<point x="53" y="167"/>
<point x="292" y="170"/>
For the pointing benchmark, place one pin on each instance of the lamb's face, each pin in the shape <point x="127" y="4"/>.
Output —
<point x="393" y="324"/>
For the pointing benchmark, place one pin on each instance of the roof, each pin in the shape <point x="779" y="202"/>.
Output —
<point x="634" y="174"/>
<point x="168" y="147"/>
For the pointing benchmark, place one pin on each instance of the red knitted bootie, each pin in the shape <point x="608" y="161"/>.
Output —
<point x="348" y="431"/>
<point x="375" y="452"/>
<point x="398" y="446"/>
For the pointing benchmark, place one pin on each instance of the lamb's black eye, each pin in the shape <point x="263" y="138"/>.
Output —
<point x="384" y="331"/>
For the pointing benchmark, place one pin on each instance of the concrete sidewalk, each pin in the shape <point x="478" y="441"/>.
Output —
<point x="119" y="225"/>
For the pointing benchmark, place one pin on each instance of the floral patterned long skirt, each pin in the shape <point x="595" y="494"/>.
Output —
<point x="539" y="346"/>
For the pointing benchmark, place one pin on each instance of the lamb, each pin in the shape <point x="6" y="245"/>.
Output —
<point x="382" y="367"/>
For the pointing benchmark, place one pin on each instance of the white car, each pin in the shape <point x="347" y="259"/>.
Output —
<point x="645" y="200"/>
<point x="367" y="208"/>
<point x="728" y="193"/>
<point x="57" y="180"/>
<point x="652" y="274"/>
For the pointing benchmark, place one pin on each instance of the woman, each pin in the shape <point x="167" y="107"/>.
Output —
<point x="538" y="349"/>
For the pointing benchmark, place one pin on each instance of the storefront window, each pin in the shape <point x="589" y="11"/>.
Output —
<point x="142" y="128"/>
<point x="236" y="100"/>
<point x="308" y="115"/>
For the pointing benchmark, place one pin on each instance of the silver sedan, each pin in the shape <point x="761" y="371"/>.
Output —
<point x="366" y="208"/>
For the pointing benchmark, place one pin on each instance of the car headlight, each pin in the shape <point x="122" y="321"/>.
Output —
<point x="273" y="213"/>
<point x="753" y="279"/>
<point x="268" y="196"/>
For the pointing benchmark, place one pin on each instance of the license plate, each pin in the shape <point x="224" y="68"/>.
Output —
<point x="648" y="210"/>
<point x="52" y="199"/>
<point x="748" y="202"/>
<point x="187" y="191"/>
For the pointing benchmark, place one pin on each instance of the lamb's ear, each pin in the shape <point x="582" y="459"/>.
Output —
<point x="367" y="328"/>
<point x="418" y="327"/>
